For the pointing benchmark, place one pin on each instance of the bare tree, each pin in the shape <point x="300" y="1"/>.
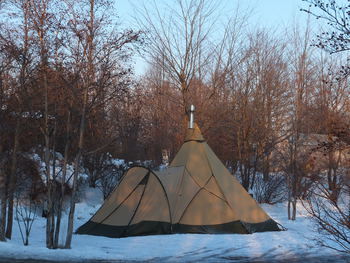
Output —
<point x="336" y="15"/>
<point x="179" y="41"/>
<point x="25" y="216"/>
<point x="58" y="74"/>
<point x="3" y="198"/>
<point x="301" y="86"/>
<point x="110" y="176"/>
<point x="14" y="39"/>
<point x="331" y="103"/>
<point x="259" y="98"/>
<point x="335" y="36"/>
<point x="331" y="219"/>
<point x="42" y="25"/>
<point x="63" y="180"/>
<point x="99" y="55"/>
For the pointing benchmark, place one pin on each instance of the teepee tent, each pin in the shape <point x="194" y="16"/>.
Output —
<point x="196" y="194"/>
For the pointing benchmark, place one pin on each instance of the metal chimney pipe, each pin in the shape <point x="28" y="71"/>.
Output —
<point x="191" y="116"/>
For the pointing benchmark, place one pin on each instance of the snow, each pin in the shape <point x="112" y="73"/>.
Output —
<point x="118" y="162"/>
<point x="296" y="242"/>
<point x="58" y="169"/>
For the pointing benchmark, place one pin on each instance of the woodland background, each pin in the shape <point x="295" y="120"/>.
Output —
<point x="275" y="107"/>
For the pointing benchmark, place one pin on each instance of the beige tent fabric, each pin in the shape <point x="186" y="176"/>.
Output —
<point x="154" y="205"/>
<point x="202" y="163"/>
<point x="171" y="180"/>
<point x="194" y="134"/>
<point x="124" y="213"/>
<point x="197" y="163"/>
<point x="183" y="197"/>
<point x="196" y="190"/>
<point x="129" y="182"/>
<point x="238" y="198"/>
<point x="192" y="155"/>
<point x="207" y="209"/>
<point x="181" y="159"/>
<point x="213" y="188"/>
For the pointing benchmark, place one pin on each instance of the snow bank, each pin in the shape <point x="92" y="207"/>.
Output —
<point x="58" y="169"/>
<point x="296" y="241"/>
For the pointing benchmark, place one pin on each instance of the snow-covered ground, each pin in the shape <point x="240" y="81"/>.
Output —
<point x="295" y="243"/>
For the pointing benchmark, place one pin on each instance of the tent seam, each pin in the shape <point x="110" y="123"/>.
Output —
<point x="165" y="193"/>
<point x="184" y="211"/>
<point x="212" y="172"/>
<point x="138" y="205"/>
<point x="123" y="177"/>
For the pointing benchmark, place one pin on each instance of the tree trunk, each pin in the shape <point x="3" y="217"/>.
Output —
<point x="329" y="174"/>
<point x="12" y="182"/>
<point x="289" y="213"/>
<point x="3" y="218"/>
<point x="246" y="177"/>
<point x="41" y="23"/>
<point x="90" y="80"/>
<point x="294" y="206"/>
<point x="75" y="176"/>
<point x="9" y="224"/>
<point x="49" y="236"/>
<point x="26" y="242"/>
<point x="3" y="194"/>
<point x="53" y="196"/>
<point x="3" y="198"/>
<point x="294" y="196"/>
<point x="72" y="203"/>
<point x="76" y="171"/>
<point x="266" y="171"/>
<point x="253" y="179"/>
<point x="63" y="181"/>
<point x="289" y="196"/>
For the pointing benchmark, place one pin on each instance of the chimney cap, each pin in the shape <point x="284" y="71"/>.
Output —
<point x="191" y="116"/>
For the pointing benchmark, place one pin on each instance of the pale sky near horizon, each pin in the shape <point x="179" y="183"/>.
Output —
<point x="274" y="14"/>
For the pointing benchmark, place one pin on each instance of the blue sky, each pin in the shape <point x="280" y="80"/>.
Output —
<point x="266" y="12"/>
<point x="274" y="14"/>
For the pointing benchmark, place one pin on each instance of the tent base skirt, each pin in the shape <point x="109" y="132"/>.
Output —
<point x="162" y="228"/>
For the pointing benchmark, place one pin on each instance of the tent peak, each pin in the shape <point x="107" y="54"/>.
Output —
<point x="194" y="134"/>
